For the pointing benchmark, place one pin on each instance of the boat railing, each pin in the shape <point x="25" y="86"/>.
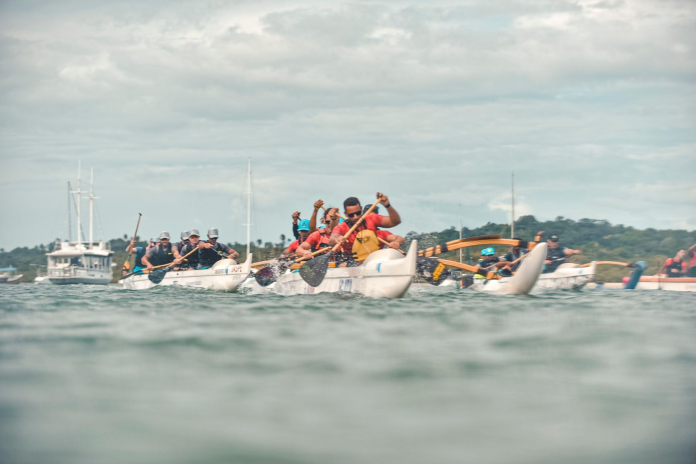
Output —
<point x="71" y="271"/>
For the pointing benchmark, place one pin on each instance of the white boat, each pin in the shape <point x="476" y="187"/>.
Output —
<point x="523" y="281"/>
<point x="672" y="284"/>
<point x="9" y="275"/>
<point x="384" y="274"/>
<point x="226" y="275"/>
<point x="80" y="263"/>
<point x="567" y="276"/>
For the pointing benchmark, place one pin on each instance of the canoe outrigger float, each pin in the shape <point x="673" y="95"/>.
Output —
<point x="226" y="275"/>
<point x="568" y="276"/>
<point x="384" y="274"/>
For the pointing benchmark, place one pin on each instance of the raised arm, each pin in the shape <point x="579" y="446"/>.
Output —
<point x="313" y="220"/>
<point x="394" y="219"/>
<point x="130" y="249"/>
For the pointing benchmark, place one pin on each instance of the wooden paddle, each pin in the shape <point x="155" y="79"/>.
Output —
<point x="269" y="274"/>
<point x="314" y="271"/>
<point x="157" y="276"/>
<point x="615" y="263"/>
<point x="135" y="235"/>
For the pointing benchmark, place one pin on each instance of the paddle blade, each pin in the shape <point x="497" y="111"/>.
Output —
<point x="431" y="270"/>
<point x="314" y="270"/>
<point x="267" y="275"/>
<point x="157" y="275"/>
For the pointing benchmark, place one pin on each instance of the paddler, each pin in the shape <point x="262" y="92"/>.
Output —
<point x="319" y="238"/>
<point x="212" y="251"/>
<point x="184" y="241"/>
<point x="556" y="255"/>
<point x="192" y="261"/>
<point x="353" y="211"/>
<point x="140" y="253"/>
<point x="675" y="267"/>
<point x="486" y="263"/>
<point x="164" y="253"/>
<point x="295" y="224"/>
<point x="513" y="255"/>
<point x="302" y="234"/>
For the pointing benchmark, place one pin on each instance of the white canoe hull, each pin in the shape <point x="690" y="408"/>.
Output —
<point x="384" y="274"/>
<point x="671" y="284"/>
<point x="523" y="281"/>
<point x="221" y="277"/>
<point x="568" y="276"/>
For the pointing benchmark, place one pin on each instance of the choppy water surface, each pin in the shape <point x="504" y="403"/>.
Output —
<point x="103" y="375"/>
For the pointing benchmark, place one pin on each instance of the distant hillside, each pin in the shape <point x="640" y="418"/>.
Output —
<point x="598" y="240"/>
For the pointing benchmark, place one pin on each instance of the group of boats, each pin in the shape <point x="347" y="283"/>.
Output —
<point x="385" y="273"/>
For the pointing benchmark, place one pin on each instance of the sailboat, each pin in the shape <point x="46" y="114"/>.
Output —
<point x="81" y="262"/>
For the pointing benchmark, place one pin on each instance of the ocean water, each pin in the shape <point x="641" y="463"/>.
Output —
<point x="169" y="375"/>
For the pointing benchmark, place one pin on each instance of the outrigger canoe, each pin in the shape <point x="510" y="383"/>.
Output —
<point x="226" y="275"/>
<point x="674" y="284"/>
<point x="384" y="274"/>
<point x="567" y="276"/>
<point x="522" y="282"/>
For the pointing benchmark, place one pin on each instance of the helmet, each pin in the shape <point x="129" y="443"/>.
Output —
<point x="304" y="225"/>
<point x="213" y="233"/>
<point x="164" y="235"/>
<point x="490" y="251"/>
<point x="193" y="232"/>
<point x="185" y="235"/>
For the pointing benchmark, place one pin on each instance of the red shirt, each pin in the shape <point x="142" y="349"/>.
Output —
<point x="371" y="222"/>
<point x="671" y="262"/>
<point x="318" y="239"/>
<point x="293" y="246"/>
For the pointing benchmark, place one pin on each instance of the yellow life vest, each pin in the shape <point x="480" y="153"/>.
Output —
<point x="365" y="243"/>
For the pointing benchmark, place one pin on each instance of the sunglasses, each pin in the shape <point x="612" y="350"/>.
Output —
<point x="194" y="236"/>
<point x="350" y="215"/>
<point x="164" y="240"/>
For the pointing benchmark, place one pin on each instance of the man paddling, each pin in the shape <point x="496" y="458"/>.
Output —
<point x="302" y="234"/>
<point x="321" y="237"/>
<point x="211" y="251"/>
<point x="556" y="255"/>
<point x="513" y="255"/>
<point x="140" y="253"/>
<point x="164" y="253"/>
<point x="184" y="241"/>
<point x="353" y="212"/>
<point x="675" y="267"/>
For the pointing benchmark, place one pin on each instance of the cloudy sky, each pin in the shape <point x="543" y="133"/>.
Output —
<point x="591" y="103"/>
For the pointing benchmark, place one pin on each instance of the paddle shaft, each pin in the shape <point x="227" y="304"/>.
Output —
<point x="135" y="235"/>
<point x="387" y="243"/>
<point x="183" y="257"/>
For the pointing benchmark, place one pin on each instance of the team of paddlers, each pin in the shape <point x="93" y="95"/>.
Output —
<point x="327" y="228"/>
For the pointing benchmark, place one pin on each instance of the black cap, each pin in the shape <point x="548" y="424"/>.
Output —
<point x="553" y="238"/>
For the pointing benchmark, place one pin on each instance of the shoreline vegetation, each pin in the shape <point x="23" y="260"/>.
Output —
<point x="597" y="239"/>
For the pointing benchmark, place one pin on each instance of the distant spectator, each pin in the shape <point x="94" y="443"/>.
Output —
<point x="691" y="254"/>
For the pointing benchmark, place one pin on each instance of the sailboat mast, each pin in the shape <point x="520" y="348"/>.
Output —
<point x="512" y="227"/>
<point x="460" y="232"/>
<point x="91" y="206"/>
<point x="69" y="218"/>
<point x="79" y="199"/>
<point x="248" y="224"/>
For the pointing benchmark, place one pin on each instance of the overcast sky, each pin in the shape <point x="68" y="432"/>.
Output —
<point x="591" y="103"/>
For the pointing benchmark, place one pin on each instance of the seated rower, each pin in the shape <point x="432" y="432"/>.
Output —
<point x="211" y="251"/>
<point x="556" y="255"/>
<point x="184" y="241"/>
<point x="302" y="234"/>
<point x="513" y="255"/>
<point x="191" y="262"/>
<point x="486" y="263"/>
<point x="675" y="267"/>
<point x="319" y="238"/>
<point x="139" y="254"/>
<point x="353" y="212"/>
<point x="164" y="253"/>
